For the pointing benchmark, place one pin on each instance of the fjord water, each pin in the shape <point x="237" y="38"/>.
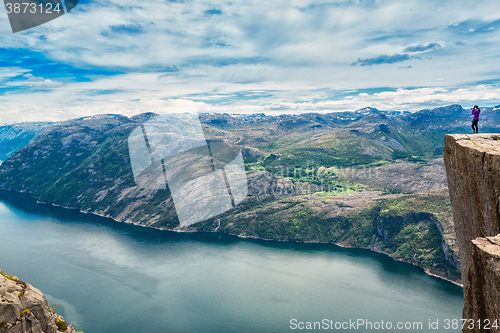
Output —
<point x="111" y="277"/>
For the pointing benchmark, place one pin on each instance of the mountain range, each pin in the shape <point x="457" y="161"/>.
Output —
<point x="371" y="179"/>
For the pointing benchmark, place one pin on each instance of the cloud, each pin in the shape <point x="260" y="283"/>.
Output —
<point x="157" y="33"/>
<point x="36" y="82"/>
<point x="383" y="59"/>
<point x="9" y="73"/>
<point x="117" y="95"/>
<point x="246" y="56"/>
<point x="422" y="48"/>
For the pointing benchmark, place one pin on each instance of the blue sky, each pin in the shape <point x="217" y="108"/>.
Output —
<point x="111" y="56"/>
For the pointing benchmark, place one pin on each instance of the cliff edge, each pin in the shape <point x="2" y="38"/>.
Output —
<point x="472" y="165"/>
<point x="24" y="309"/>
<point x="482" y="296"/>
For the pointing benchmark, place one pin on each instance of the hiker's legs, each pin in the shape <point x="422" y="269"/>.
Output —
<point x="474" y="126"/>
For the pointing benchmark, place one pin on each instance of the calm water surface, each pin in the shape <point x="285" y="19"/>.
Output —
<point x="110" y="277"/>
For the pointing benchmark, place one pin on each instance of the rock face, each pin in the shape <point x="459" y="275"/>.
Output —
<point x="24" y="309"/>
<point x="473" y="170"/>
<point x="482" y="297"/>
<point x="407" y="177"/>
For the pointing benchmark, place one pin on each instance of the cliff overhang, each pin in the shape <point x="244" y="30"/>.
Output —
<point x="472" y="165"/>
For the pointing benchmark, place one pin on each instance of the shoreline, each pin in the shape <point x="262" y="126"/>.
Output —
<point x="341" y="246"/>
<point x="180" y="230"/>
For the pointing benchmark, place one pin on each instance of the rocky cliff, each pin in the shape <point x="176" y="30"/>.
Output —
<point x="473" y="169"/>
<point x="24" y="309"/>
<point x="482" y="296"/>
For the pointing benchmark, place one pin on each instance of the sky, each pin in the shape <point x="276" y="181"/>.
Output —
<point x="252" y="56"/>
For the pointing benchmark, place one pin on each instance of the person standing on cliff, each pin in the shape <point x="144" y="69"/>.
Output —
<point x="475" y="112"/>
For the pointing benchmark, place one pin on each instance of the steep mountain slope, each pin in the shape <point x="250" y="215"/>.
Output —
<point x="84" y="164"/>
<point x="473" y="168"/>
<point x="14" y="137"/>
<point x="297" y="177"/>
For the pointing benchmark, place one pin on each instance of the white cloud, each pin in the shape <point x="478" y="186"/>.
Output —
<point x="178" y="33"/>
<point x="7" y="73"/>
<point x="151" y="92"/>
<point x="40" y="82"/>
<point x="33" y="81"/>
<point x="291" y="51"/>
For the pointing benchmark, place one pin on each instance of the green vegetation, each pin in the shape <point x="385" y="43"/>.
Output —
<point x="23" y="284"/>
<point x="400" y="154"/>
<point x="388" y="191"/>
<point x="3" y="324"/>
<point x="327" y="181"/>
<point x="24" y="312"/>
<point x="339" y="150"/>
<point x="61" y="325"/>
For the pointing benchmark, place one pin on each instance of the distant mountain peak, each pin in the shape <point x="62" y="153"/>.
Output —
<point x="367" y="110"/>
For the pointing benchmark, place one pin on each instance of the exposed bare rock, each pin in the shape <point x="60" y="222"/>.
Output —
<point x="251" y="154"/>
<point x="263" y="182"/>
<point x="473" y="170"/>
<point x="407" y="177"/>
<point x="24" y="309"/>
<point x="483" y="293"/>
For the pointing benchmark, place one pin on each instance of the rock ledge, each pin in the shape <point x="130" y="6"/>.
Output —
<point x="473" y="170"/>
<point x="24" y="309"/>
